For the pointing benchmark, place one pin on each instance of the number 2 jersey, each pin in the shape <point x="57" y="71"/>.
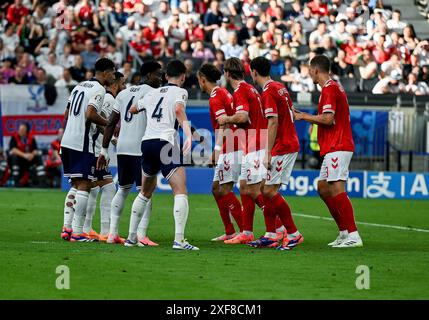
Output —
<point x="79" y="132"/>
<point x="160" y="106"/>
<point x="133" y="126"/>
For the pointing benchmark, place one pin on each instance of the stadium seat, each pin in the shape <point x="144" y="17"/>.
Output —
<point x="349" y="84"/>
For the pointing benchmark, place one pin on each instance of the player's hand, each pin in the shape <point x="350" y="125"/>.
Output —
<point x="267" y="161"/>
<point x="103" y="159"/>
<point x="114" y="141"/>
<point x="187" y="145"/>
<point x="297" y="115"/>
<point x="133" y="110"/>
<point x="222" y="121"/>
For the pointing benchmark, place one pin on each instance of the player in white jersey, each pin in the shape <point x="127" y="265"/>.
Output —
<point x="128" y="149"/>
<point x="104" y="180"/>
<point x="165" y="110"/>
<point x="77" y="149"/>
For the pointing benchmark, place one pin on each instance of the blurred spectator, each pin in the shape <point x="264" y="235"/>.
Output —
<point x="4" y="169"/>
<point x="421" y="52"/>
<point x="53" y="162"/>
<point x="277" y="65"/>
<point x="232" y="48"/>
<point x="10" y="40"/>
<point x="20" y="77"/>
<point x="6" y="70"/>
<point x="367" y="65"/>
<point x="212" y="18"/>
<point x="78" y="70"/>
<point x="250" y="8"/>
<point x="24" y="157"/>
<point x="290" y="70"/>
<point x="341" y="68"/>
<point x="194" y="32"/>
<point x="416" y="87"/>
<point x="153" y="32"/>
<point x="221" y="35"/>
<point x="202" y="53"/>
<point x="16" y="11"/>
<point x="248" y="31"/>
<point x="52" y="68"/>
<point x="89" y="56"/>
<point x="352" y="49"/>
<point x="128" y="31"/>
<point x="191" y="81"/>
<point x="318" y="8"/>
<point x="395" y="24"/>
<point x="184" y="51"/>
<point x="66" y="59"/>
<point x="66" y="80"/>
<point x="102" y="44"/>
<point x="391" y="84"/>
<point x="392" y="64"/>
<point x="302" y="82"/>
<point x="307" y="21"/>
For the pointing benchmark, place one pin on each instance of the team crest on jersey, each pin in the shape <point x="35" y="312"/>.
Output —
<point x="98" y="98"/>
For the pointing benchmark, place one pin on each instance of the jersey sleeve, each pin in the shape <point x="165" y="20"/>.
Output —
<point x="241" y="103"/>
<point x="97" y="99"/>
<point x="117" y="105"/>
<point x="182" y="97"/>
<point x="216" y="106"/>
<point x="269" y="105"/>
<point x="329" y="101"/>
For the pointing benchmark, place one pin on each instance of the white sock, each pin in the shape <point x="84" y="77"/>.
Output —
<point x="354" y="235"/>
<point x="344" y="234"/>
<point x="144" y="223"/>
<point x="90" y="209"/>
<point x="280" y="229"/>
<point x="79" y="211"/>
<point x="116" y="209"/>
<point x="293" y="235"/>
<point x="69" y="207"/>
<point x="181" y="211"/>
<point x="107" y="193"/>
<point x="270" y="235"/>
<point x="137" y="210"/>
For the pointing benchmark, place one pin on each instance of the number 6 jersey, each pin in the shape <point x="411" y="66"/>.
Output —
<point x="79" y="132"/>
<point x="133" y="126"/>
<point x="160" y="106"/>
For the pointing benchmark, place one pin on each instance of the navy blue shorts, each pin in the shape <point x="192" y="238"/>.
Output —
<point x="160" y="155"/>
<point x="102" y="174"/>
<point x="78" y="164"/>
<point x="129" y="170"/>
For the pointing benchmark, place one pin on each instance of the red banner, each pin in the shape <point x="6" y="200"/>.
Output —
<point x="40" y="124"/>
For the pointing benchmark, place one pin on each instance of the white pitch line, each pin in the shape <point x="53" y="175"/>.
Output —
<point x="364" y="223"/>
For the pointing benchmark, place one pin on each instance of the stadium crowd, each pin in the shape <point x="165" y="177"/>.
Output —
<point x="58" y="42"/>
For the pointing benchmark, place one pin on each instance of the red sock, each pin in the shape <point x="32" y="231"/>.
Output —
<point x="260" y="201"/>
<point x="235" y="208"/>
<point x="345" y="208"/>
<point x="332" y="205"/>
<point x="284" y="212"/>
<point x="248" y="212"/>
<point x="224" y="214"/>
<point x="269" y="216"/>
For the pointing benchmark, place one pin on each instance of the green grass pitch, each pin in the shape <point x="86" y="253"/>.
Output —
<point x="31" y="250"/>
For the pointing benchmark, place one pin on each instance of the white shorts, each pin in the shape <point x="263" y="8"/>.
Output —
<point x="335" y="166"/>
<point x="253" y="169"/>
<point x="281" y="169"/>
<point x="228" y="167"/>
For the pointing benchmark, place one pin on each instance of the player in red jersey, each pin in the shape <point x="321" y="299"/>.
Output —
<point x="249" y="118"/>
<point x="336" y="145"/>
<point x="227" y="162"/>
<point x="281" y="153"/>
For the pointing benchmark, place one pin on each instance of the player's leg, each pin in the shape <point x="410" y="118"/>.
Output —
<point x="108" y="191"/>
<point x="177" y="180"/>
<point x="144" y="222"/>
<point x="70" y="197"/>
<point x="90" y="211"/>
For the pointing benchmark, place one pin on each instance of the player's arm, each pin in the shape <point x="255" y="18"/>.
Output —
<point x="93" y="116"/>
<point x="273" y="124"/>
<point x="184" y="123"/>
<point x="324" y="119"/>
<point x="66" y="115"/>
<point x="109" y="130"/>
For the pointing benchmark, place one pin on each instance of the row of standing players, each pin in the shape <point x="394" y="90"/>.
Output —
<point x="261" y="164"/>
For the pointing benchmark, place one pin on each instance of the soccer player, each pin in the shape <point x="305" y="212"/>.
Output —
<point x="250" y="120"/>
<point x="103" y="177"/>
<point x="165" y="110"/>
<point x="228" y="162"/>
<point x="128" y="149"/>
<point x="77" y="149"/>
<point x="336" y="146"/>
<point x="281" y="153"/>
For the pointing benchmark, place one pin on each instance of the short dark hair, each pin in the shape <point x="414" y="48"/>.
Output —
<point x="118" y="75"/>
<point x="261" y="65"/>
<point x="149" y="67"/>
<point x="235" y="67"/>
<point x="104" y="64"/>
<point x="321" y="62"/>
<point x="210" y="72"/>
<point x="175" y="68"/>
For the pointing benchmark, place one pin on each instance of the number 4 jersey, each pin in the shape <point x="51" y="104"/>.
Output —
<point x="79" y="132"/>
<point x="160" y="106"/>
<point x="132" y="126"/>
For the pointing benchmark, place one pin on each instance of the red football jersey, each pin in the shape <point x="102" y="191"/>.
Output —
<point x="247" y="99"/>
<point x="278" y="103"/>
<point x="337" y="137"/>
<point x="220" y="103"/>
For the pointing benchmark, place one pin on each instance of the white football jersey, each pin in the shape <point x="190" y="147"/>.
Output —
<point x="79" y="132"/>
<point x="160" y="106"/>
<point x="108" y="104"/>
<point x="133" y="126"/>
